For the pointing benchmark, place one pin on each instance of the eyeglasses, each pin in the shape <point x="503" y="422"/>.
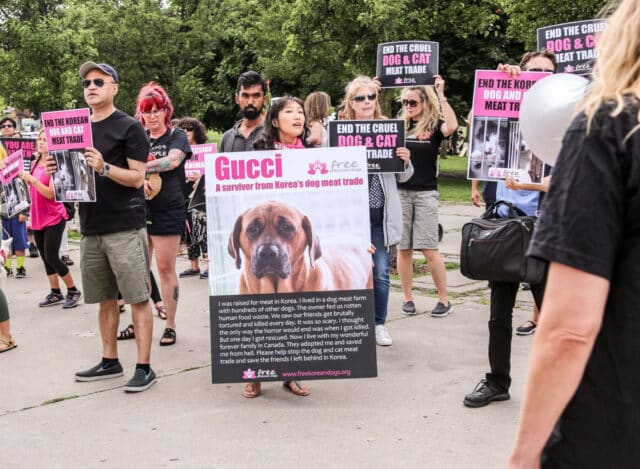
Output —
<point x="99" y="82"/>
<point x="153" y="112"/>
<point x="7" y="126"/>
<point x="410" y="102"/>
<point x="187" y="128"/>
<point x="540" y="70"/>
<point x="369" y="97"/>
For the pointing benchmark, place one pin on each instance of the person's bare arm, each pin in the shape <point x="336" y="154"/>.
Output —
<point x="475" y="192"/>
<point x="511" y="183"/>
<point x="45" y="191"/>
<point x="450" y="124"/>
<point x="570" y="319"/>
<point x="169" y="162"/>
<point x="132" y="177"/>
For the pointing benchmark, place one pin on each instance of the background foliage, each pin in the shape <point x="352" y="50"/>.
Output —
<point x="197" y="48"/>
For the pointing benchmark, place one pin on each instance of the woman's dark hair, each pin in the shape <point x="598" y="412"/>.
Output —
<point x="9" y="119"/>
<point x="199" y="130"/>
<point x="546" y="53"/>
<point x="269" y="135"/>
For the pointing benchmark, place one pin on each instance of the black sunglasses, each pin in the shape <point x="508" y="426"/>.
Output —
<point x="7" y="126"/>
<point x="540" y="70"/>
<point x="99" y="82"/>
<point x="410" y="102"/>
<point x="362" y="97"/>
<point x="188" y="128"/>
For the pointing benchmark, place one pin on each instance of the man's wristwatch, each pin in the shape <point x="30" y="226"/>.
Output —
<point x="105" y="169"/>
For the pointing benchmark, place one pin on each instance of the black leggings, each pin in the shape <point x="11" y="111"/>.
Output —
<point x="48" y="242"/>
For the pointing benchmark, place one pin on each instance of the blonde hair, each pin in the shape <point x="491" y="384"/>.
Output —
<point x="317" y="106"/>
<point x="350" y="91"/>
<point x="431" y="113"/>
<point x="617" y="68"/>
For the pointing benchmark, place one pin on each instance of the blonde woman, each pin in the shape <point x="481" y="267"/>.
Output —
<point x="385" y="211"/>
<point x="582" y="399"/>
<point x="429" y="119"/>
<point x="317" y="107"/>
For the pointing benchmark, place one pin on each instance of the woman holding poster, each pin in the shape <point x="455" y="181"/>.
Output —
<point x="165" y="211"/>
<point x="429" y="120"/>
<point x="284" y="128"/>
<point x="48" y="221"/>
<point x="385" y="211"/>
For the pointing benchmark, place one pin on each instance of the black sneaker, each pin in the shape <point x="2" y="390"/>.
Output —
<point x="189" y="273"/>
<point x="66" y="260"/>
<point x="141" y="381"/>
<point x="72" y="299"/>
<point x="51" y="299"/>
<point x="483" y="394"/>
<point x="527" y="328"/>
<point x="21" y="272"/>
<point x="99" y="372"/>
<point x="9" y="271"/>
<point x="441" y="311"/>
<point x="33" y="250"/>
<point x="408" y="308"/>
<point x="204" y="275"/>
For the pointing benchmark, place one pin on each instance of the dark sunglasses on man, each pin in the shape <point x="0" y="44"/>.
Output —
<point x="99" y="82"/>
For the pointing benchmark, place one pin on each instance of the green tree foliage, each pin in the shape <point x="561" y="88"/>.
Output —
<point x="197" y="48"/>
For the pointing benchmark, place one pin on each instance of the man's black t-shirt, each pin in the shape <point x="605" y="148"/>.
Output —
<point x="424" y="157"/>
<point x="591" y="221"/>
<point x="171" y="194"/>
<point x="117" y="208"/>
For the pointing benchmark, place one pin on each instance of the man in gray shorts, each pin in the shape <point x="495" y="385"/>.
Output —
<point x="114" y="250"/>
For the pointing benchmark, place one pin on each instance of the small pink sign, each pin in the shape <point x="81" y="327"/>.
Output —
<point x="195" y="164"/>
<point x="67" y="130"/>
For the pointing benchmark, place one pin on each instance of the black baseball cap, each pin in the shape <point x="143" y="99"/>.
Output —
<point x="106" y="68"/>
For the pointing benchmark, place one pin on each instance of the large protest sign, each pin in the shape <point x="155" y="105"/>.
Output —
<point x="68" y="134"/>
<point x="15" y="194"/>
<point x="28" y="146"/>
<point x="573" y="43"/>
<point x="381" y="138"/>
<point x="407" y="63"/>
<point x="195" y="164"/>
<point x="496" y="147"/>
<point x="290" y="279"/>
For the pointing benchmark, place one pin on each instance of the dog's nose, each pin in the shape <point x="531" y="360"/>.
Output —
<point x="268" y="251"/>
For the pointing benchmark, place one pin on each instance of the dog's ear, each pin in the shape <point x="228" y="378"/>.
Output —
<point x="234" y="242"/>
<point x="313" y="242"/>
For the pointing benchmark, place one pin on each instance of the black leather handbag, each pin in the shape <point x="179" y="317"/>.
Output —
<point x="495" y="249"/>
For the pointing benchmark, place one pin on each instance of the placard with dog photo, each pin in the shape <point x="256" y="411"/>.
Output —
<point x="68" y="134"/>
<point x="291" y="270"/>
<point x="15" y="194"/>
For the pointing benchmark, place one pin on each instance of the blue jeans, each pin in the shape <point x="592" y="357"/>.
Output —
<point x="381" y="264"/>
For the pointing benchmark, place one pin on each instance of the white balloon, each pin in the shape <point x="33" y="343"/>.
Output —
<point x="546" y="112"/>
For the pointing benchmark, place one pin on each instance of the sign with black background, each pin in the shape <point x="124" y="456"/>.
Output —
<point x="407" y="63"/>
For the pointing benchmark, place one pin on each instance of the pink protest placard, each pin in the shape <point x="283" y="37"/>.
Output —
<point x="496" y="147"/>
<point x="13" y="166"/>
<point x="68" y="134"/>
<point x="15" y="194"/>
<point x="67" y="130"/>
<point x="195" y="164"/>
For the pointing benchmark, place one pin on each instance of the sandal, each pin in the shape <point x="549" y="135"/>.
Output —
<point x="7" y="344"/>
<point x="127" y="333"/>
<point x="251" y="390"/>
<point x="170" y="335"/>
<point x="162" y="312"/>
<point x="296" y="388"/>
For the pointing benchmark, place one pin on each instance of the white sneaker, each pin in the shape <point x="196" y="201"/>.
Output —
<point x="382" y="335"/>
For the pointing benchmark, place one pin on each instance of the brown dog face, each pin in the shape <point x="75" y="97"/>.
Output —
<point x="273" y="237"/>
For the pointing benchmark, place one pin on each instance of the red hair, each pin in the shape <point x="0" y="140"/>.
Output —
<point x="150" y="95"/>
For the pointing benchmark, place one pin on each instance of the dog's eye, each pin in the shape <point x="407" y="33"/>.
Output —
<point x="254" y="229"/>
<point x="286" y="228"/>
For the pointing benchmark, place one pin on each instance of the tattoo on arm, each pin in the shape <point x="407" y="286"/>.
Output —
<point x="171" y="161"/>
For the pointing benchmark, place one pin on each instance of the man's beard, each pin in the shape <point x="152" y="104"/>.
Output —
<point x="251" y="112"/>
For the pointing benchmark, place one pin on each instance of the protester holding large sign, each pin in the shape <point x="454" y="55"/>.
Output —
<point x="430" y="119"/>
<point x="407" y="63"/>
<point x="48" y="221"/>
<point x="385" y="211"/>
<point x="573" y="43"/>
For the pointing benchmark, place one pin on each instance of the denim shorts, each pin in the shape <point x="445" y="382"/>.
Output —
<point x="115" y="262"/>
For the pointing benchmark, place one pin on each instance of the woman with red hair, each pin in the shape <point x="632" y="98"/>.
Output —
<point x="165" y="204"/>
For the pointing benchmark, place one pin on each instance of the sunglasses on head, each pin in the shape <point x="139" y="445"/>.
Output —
<point x="360" y="98"/>
<point x="99" y="82"/>
<point x="7" y="126"/>
<point x="187" y="128"/>
<point x="540" y="70"/>
<point x="410" y="102"/>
